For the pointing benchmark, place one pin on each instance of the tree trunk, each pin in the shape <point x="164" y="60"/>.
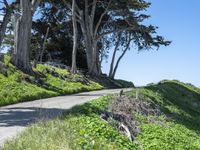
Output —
<point x="112" y="75"/>
<point x="91" y="59"/>
<point x="87" y="22"/>
<point x="113" y="59"/>
<point x="88" y="45"/>
<point x="44" y="44"/>
<point x="75" y="37"/>
<point x="4" y="24"/>
<point x="117" y="63"/>
<point x="87" y="40"/>
<point x="22" y="37"/>
<point x="94" y="70"/>
<point x="112" y="63"/>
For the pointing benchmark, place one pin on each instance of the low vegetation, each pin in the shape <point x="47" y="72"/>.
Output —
<point x="16" y="86"/>
<point x="173" y="125"/>
<point x="80" y="128"/>
<point x="48" y="81"/>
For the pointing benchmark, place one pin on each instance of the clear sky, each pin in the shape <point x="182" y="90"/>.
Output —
<point x="179" y="22"/>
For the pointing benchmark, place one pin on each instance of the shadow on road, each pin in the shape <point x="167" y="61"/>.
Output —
<point x="24" y="116"/>
<point x="91" y="95"/>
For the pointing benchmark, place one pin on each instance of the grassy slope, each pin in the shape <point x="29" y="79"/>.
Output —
<point x="16" y="86"/>
<point x="80" y="128"/>
<point x="178" y="128"/>
<point x="180" y="105"/>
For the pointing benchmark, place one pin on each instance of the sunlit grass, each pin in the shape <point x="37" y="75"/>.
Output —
<point x="82" y="128"/>
<point x="15" y="86"/>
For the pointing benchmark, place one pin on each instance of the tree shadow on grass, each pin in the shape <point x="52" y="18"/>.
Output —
<point x="23" y="116"/>
<point x="40" y="81"/>
<point x="86" y="109"/>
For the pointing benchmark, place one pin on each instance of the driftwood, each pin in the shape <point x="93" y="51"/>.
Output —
<point x="121" y="112"/>
<point x="128" y="106"/>
<point x="126" y="124"/>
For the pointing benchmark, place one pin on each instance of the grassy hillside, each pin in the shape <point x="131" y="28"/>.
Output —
<point x="15" y="86"/>
<point x="176" y="127"/>
<point x="181" y="102"/>
<point x="180" y="106"/>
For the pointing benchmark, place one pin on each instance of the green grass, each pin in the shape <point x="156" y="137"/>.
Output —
<point x="177" y="128"/>
<point x="15" y="86"/>
<point x="124" y="83"/>
<point x="80" y="128"/>
<point x="179" y="101"/>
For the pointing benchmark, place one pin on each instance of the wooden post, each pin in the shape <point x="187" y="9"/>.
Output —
<point x="137" y="93"/>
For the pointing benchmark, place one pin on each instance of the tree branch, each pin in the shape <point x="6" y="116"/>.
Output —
<point x="113" y="57"/>
<point x="35" y="4"/>
<point x="122" y="55"/>
<point x="113" y="31"/>
<point x="93" y="10"/>
<point x="101" y="18"/>
<point x="70" y="7"/>
<point x="6" y="3"/>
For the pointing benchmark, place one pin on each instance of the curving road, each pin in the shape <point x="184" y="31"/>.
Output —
<point x="15" y="118"/>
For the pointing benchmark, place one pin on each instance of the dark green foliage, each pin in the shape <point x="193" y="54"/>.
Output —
<point x="124" y="83"/>
<point x="60" y="42"/>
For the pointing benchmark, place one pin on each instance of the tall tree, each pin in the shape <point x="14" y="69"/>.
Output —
<point x="86" y="19"/>
<point x="44" y="45"/>
<point x="60" y="40"/>
<point x="144" y="39"/>
<point x="117" y="43"/>
<point x="124" y="43"/>
<point x="75" y="37"/>
<point x="100" y="18"/>
<point x="22" y="23"/>
<point x="7" y="11"/>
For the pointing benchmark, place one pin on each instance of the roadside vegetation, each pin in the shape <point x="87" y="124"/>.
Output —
<point x="165" y="116"/>
<point x="17" y="86"/>
<point x="48" y="81"/>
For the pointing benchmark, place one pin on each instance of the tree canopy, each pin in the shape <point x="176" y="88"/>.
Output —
<point x="81" y="33"/>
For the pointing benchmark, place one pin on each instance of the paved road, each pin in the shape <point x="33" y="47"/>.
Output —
<point x="15" y="118"/>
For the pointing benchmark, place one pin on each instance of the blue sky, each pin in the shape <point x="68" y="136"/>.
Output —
<point x="179" y="22"/>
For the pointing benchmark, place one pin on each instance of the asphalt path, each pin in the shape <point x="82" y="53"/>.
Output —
<point x="15" y="118"/>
